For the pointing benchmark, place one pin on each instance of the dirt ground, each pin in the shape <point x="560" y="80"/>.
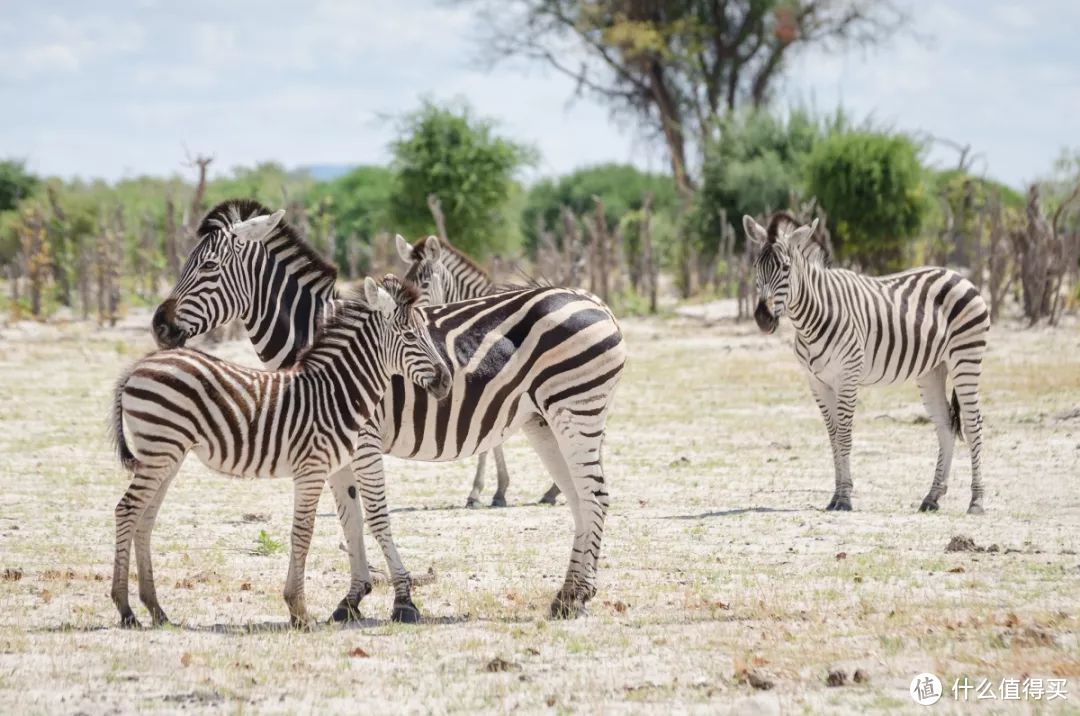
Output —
<point x="720" y="575"/>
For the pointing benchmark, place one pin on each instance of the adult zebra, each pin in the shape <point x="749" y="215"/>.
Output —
<point x="446" y="275"/>
<point x="544" y="360"/>
<point x="301" y="423"/>
<point x="927" y="324"/>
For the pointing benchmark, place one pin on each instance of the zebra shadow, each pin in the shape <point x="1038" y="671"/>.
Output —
<point x="733" y="512"/>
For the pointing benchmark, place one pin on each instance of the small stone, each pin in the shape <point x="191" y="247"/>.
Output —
<point x="861" y="677"/>
<point x="837" y="677"/>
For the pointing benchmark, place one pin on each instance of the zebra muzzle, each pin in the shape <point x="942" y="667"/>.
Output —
<point x="766" y="321"/>
<point x="167" y="335"/>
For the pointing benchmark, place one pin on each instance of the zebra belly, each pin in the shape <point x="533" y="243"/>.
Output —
<point x="446" y="430"/>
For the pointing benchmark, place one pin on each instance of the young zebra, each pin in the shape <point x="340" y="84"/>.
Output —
<point x="446" y="275"/>
<point x="927" y="324"/>
<point x="543" y="360"/>
<point x="303" y="422"/>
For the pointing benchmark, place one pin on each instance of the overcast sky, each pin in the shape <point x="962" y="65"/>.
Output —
<point x="115" y="89"/>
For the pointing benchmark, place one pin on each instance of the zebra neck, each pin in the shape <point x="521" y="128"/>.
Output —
<point x="469" y="280"/>
<point x="802" y="299"/>
<point x="286" y="311"/>
<point x="347" y="369"/>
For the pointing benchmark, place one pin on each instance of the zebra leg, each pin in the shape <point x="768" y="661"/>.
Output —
<point x="499" y="499"/>
<point x="343" y="485"/>
<point x="143" y="531"/>
<point x="473" y="500"/>
<point x="932" y="387"/>
<point x="825" y="397"/>
<point x="966" y="393"/>
<point x="844" y="416"/>
<point x="144" y="486"/>
<point x="306" y="492"/>
<point x="368" y="467"/>
<point x="548" y="498"/>
<point x="572" y="456"/>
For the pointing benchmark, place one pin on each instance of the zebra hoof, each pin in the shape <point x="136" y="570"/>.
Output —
<point x="160" y="620"/>
<point x="346" y="612"/>
<point x="128" y="621"/>
<point x="928" y="505"/>
<point x="472" y="503"/>
<point x="301" y="623"/>
<point x="976" y="509"/>
<point x="405" y="612"/>
<point x="562" y="608"/>
<point x="498" y="501"/>
<point x="838" y="504"/>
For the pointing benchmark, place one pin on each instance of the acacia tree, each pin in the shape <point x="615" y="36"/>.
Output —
<point x="675" y="66"/>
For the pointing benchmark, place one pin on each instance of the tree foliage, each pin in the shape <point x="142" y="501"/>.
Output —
<point x="752" y="167"/>
<point x="15" y="183"/>
<point x="359" y="201"/>
<point x="871" y="185"/>
<point x="447" y="151"/>
<point x="622" y="188"/>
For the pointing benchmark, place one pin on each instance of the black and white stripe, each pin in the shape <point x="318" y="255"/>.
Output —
<point x="543" y="360"/>
<point x="927" y="324"/>
<point x="446" y="275"/>
<point x="302" y="422"/>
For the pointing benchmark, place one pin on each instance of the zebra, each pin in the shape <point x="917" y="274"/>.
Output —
<point x="301" y="422"/>
<point x="446" y="275"/>
<point x="927" y="324"/>
<point x="543" y="360"/>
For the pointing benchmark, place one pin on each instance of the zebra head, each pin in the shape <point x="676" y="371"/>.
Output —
<point x="772" y="269"/>
<point x="411" y="351"/>
<point x="426" y="269"/>
<point x="215" y="283"/>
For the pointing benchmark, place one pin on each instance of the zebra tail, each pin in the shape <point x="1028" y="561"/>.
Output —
<point x="116" y="426"/>
<point x="955" y="415"/>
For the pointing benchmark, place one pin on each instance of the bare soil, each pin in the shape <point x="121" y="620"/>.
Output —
<point x="723" y="584"/>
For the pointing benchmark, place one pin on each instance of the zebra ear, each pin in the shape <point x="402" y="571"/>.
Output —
<point x="257" y="228"/>
<point x="404" y="250"/>
<point x="377" y="297"/>
<point x="801" y="234"/>
<point x="754" y="231"/>
<point x="432" y="248"/>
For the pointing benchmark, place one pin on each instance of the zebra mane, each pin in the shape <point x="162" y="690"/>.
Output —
<point x="231" y="211"/>
<point x="352" y="306"/>
<point x="419" y="248"/>
<point x="814" y="249"/>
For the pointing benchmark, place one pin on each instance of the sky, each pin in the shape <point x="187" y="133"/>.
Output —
<point x="116" y="89"/>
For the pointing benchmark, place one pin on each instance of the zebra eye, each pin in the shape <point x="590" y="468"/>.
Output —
<point x="209" y="265"/>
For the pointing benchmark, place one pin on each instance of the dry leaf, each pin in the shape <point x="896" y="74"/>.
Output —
<point x="358" y="653"/>
<point x="841" y="555"/>
<point x="185" y="659"/>
<point x="245" y="586"/>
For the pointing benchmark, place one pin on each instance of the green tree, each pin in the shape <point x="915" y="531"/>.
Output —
<point x="359" y="201"/>
<point x="621" y="186"/>
<point x="15" y="183"/>
<point x="752" y="167"/>
<point x="871" y="185"/>
<point x="449" y="152"/>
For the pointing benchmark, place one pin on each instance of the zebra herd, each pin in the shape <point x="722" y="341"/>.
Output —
<point x="445" y="365"/>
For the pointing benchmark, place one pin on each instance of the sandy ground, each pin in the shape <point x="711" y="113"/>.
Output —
<point x="718" y="560"/>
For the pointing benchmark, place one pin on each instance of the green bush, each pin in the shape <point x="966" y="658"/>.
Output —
<point x="871" y="185"/>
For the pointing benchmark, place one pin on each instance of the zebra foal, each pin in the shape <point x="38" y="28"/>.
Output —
<point x="303" y="422"/>
<point x="926" y="324"/>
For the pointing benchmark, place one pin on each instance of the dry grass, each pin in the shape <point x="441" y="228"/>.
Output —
<point x="718" y="561"/>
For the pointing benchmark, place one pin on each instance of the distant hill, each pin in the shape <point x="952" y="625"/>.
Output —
<point x="327" y="172"/>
